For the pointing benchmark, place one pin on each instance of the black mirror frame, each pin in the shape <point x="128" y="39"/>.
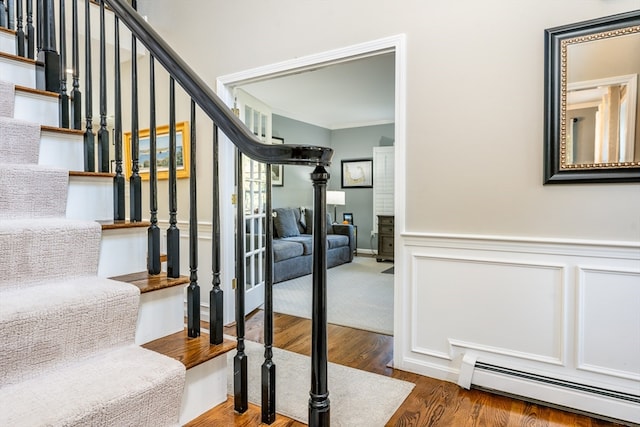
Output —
<point x="553" y="38"/>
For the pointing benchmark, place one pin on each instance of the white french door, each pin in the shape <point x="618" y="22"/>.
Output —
<point x="257" y="116"/>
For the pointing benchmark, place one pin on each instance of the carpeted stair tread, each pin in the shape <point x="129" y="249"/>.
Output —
<point x="62" y="324"/>
<point x="19" y="141"/>
<point x="36" y="251"/>
<point x="20" y="198"/>
<point x="129" y="386"/>
<point x="7" y="102"/>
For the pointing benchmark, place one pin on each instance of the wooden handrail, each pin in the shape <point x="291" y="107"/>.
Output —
<point x="211" y="104"/>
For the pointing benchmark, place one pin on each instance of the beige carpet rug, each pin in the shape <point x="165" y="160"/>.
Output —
<point x="359" y="296"/>
<point x="358" y="398"/>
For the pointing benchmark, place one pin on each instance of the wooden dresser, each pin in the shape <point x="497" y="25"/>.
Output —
<point x="385" y="237"/>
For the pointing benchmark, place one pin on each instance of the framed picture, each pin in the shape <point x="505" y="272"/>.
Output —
<point x="357" y="173"/>
<point x="162" y="152"/>
<point x="277" y="171"/>
<point x="347" y="217"/>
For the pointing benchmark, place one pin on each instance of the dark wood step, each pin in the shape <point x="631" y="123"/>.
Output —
<point x="152" y="282"/>
<point x="93" y="175"/>
<point x="65" y="131"/>
<point x="118" y="225"/>
<point x="190" y="351"/>
<point x="36" y="92"/>
<point x="8" y="31"/>
<point x="17" y="58"/>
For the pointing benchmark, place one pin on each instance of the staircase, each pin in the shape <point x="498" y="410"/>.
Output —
<point x="88" y="307"/>
<point x="84" y="327"/>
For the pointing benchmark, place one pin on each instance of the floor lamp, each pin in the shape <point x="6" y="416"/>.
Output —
<point x="335" y="198"/>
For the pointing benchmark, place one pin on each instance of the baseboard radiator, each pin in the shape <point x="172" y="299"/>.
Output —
<point x="555" y="382"/>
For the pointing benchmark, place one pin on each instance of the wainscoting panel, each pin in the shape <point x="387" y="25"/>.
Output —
<point x="511" y="308"/>
<point x="603" y="346"/>
<point x="547" y="319"/>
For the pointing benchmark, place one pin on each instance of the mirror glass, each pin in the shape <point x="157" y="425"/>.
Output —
<point x="592" y="113"/>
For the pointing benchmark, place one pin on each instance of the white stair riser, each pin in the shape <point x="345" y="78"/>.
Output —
<point x="205" y="388"/>
<point x="122" y="252"/>
<point x="62" y="150"/>
<point x="161" y="313"/>
<point x="17" y="72"/>
<point x="7" y="43"/>
<point x="90" y="198"/>
<point x="36" y="108"/>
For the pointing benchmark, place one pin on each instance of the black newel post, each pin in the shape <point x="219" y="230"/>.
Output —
<point x="193" y="290"/>
<point x="135" y="181"/>
<point x="240" y="368"/>
<point x="20" y="38"/>
<point x="319" y="394"/>
<point x="216" y="293"/>
<point x="89" y="138"/>
<point x="103" y="133"/>
<point x="119" y="178"/>
<point x="76" y="95"/>
<point x="173" y="233"/>
<point x="268" y="367"/>
<point x="153" y="233"/>
<point x="64" y="98"/>
<point x="48" y="61"/>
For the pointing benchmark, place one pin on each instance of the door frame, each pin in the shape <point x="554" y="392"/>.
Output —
<point x="224" y="89"/>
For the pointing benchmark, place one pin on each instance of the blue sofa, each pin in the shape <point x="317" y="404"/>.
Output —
<point x="292" y="243"/>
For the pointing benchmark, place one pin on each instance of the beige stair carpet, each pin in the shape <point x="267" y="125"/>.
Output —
<point x="68" y="353"/>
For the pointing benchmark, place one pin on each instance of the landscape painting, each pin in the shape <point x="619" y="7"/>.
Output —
<point x="162" y="152"/>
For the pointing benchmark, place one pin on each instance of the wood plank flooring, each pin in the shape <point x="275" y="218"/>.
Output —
<point x="431" y="403"/>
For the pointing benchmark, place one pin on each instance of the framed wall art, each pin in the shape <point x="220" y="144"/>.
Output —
<point x="162" y="152"/>
<point x="277" y="171"/>
<point x="357" y="173"/>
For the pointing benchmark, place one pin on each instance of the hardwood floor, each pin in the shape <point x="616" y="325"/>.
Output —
<point x="431" y="403"/>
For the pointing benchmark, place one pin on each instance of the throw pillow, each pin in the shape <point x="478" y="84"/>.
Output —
<point x="285" y="223"/>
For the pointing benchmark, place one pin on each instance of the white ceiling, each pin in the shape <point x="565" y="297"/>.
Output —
<point x="356" y="93"/>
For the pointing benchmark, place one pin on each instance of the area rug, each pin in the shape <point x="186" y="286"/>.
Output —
<point x="357" y="398"/>
<point x="358" y="296"/>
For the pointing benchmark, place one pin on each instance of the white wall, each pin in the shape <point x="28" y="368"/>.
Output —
<point x="477" y="219"/>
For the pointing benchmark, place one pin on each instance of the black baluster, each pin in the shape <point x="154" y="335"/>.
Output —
<point x="3" y="14"/>
<point x="216" y="294"/>
<point x="89" y="139"/>
<point x="240" y="373"/>
<point x="135" y="181"/>
<point x="76" y="95"/>
<point x="319" y="408"/>
<point x="193" y="290"/>
<point x="173" y="234"/>
<point x="64" y="98"/>
<point x="153" y="234"/>
<point x="48" y="62"/>
<point x="103" y="133"/>
<point x="11" y="14"/>
<point x="119" y="178"/>
<point x="268" y="367"/>
<point x="31" y="38"/>
<point x="20" y="31"/>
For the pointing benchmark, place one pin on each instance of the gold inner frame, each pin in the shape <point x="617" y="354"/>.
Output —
<point x="563" y="99"/>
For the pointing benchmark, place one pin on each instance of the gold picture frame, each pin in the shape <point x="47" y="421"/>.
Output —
<point x="162" y="151"/>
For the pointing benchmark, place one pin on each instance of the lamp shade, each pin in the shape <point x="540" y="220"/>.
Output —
<point x="335" y="198"/>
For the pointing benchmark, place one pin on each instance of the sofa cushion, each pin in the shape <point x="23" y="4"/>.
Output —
<point x="336" y="241"/>
<point x="285" y="222"/>
<point x="305" y="240"/>
<point x="309" y="222"/>
<point x="283" y="249"/>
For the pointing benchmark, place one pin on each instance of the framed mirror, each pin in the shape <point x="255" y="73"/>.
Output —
<point x="592" y="111"/>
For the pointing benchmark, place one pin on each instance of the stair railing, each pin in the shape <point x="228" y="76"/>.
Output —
<point x="51" y="75"/>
